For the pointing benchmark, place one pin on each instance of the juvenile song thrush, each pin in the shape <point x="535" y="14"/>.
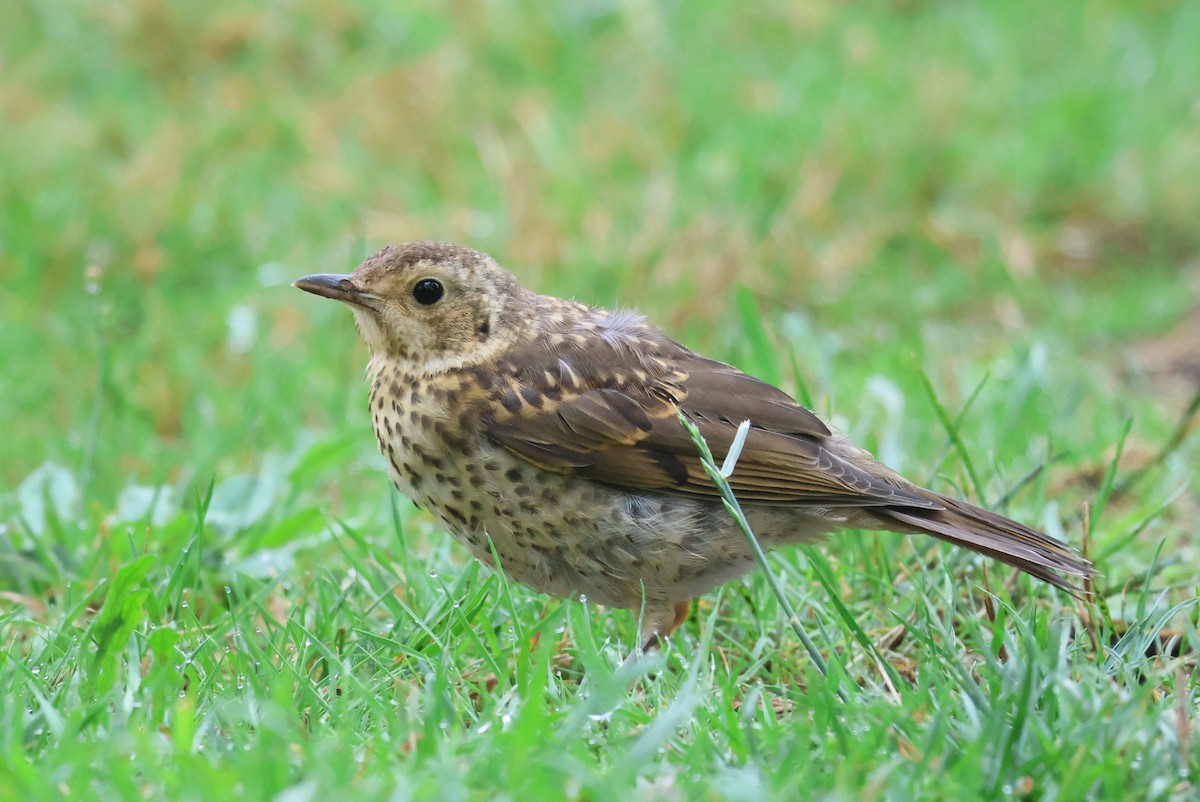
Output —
<point x="550" y="429"/>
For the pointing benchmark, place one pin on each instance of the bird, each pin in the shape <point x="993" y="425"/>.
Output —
<point x="546" y="436"/>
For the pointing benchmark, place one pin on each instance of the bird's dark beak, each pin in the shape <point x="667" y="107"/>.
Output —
<point x="337" y="286"/>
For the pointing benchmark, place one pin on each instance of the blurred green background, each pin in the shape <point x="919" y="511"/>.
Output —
<point x="843" y="198"/>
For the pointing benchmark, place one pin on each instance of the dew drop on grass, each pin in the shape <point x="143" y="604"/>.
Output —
<point x="36" y="670"/>
<point x="183" y="604"/>
<point x="433" y="574"/>
<point x="583" y="598"/>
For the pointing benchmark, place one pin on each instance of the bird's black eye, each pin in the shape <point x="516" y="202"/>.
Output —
<point x="428" y="291"/>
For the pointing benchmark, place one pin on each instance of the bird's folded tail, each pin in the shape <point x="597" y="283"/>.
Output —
<point x="994" y="535"/>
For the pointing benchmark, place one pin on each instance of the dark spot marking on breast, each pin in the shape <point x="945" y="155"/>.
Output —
<point x="414" y="478"/>
<point x="451" y="436"/>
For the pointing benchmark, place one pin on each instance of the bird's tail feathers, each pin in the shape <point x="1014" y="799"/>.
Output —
<point x="994" y="535"/>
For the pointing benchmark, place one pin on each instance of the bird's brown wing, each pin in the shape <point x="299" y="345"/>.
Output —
<point x="607" y="409"/>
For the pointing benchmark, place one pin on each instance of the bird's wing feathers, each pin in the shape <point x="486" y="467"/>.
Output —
<point x="604" y="403"/>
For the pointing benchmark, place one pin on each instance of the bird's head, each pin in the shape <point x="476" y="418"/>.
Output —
<point x="431" y="305"/>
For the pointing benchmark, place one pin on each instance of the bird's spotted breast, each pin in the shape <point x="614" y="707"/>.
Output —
<point x="556" y="533"/>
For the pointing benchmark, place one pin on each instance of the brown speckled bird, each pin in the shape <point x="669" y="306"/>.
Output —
<point x="550" y="428"/>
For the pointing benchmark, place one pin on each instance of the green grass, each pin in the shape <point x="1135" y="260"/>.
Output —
<point x="208" y="589"/>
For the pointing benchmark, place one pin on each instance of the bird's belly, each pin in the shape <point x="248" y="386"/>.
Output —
<point x="566" y="535"/>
